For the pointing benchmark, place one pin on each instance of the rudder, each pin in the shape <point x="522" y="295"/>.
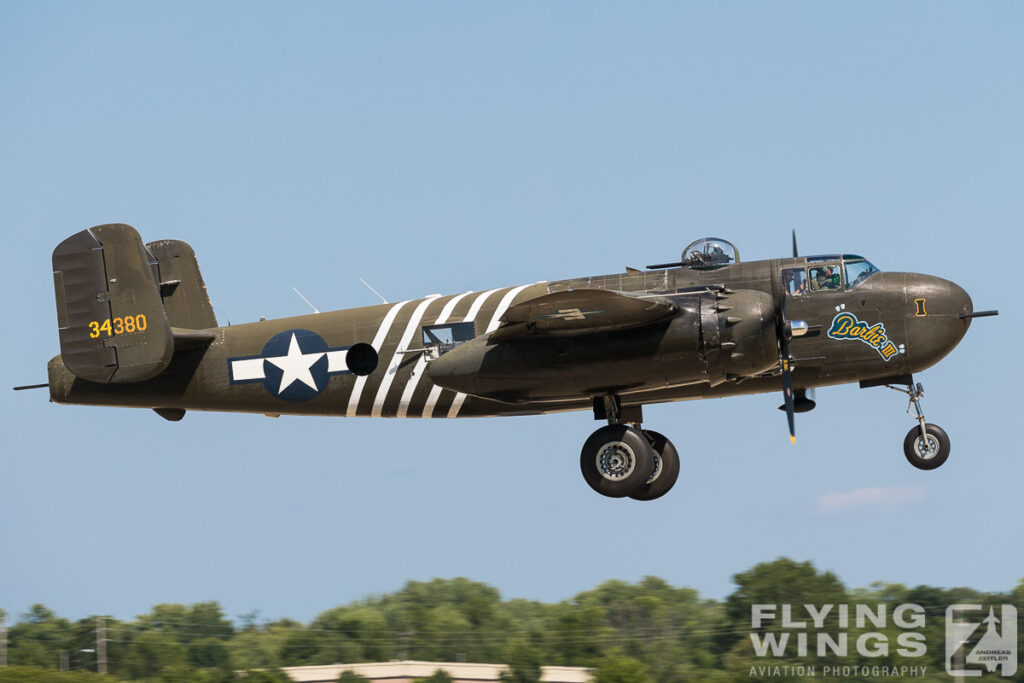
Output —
<point x="113" y="328"/>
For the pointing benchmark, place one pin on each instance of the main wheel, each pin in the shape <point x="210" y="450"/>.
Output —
<point x="928" y="452"/>
<point x="616" y="460"/>
<point x="665" y="471"/>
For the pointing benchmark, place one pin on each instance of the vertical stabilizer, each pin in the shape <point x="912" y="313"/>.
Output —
<point x="113" y="328"/>
<point x="181" y="286"/>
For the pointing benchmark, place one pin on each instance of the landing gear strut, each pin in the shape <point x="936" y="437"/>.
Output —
<point x="926" y="445"/>
<point x="621" y="459"/>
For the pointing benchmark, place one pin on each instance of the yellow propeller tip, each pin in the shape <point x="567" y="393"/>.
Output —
<point x="792" y="438"/>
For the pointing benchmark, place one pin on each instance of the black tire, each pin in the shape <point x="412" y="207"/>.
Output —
<point x="915" y="448"/>
<point x="665" y="471"/>
<point x="616" y="460"/>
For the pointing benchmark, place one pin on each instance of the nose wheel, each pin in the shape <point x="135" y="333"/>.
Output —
<point x="926" y="445"/>
<point x="928" y="450"/>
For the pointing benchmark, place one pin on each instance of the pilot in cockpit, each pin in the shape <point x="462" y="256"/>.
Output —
<point x="827" y="278"/>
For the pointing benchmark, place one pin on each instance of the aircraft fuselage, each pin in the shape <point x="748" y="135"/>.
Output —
<point x="256" y="367"/>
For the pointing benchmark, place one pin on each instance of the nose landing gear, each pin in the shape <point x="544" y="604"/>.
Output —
<point x="926" y="445"/>
<point x="621" y="459"/>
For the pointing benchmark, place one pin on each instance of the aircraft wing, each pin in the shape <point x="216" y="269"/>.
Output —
<point x="580" y="311"/>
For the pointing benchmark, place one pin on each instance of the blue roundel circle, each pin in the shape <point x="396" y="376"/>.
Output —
<point x="295" y="365"/>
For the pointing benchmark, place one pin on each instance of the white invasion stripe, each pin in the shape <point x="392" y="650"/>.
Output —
<point x="506" y="301"/>
<point x="478" y="304"/>
<point x="247" y="369"/>
<point x="421" y="363"/>
<point x="446" y="312"/>
<point x="396" y="358"/>
<point x="378" y="341"/>
<point x="435" y="391"/>
<point x="428" y="408"/>
<point x="460" y="398"/>
<point x="336" y="361"/>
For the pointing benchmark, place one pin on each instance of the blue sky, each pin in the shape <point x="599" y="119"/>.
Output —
<point x="440" y="147"/>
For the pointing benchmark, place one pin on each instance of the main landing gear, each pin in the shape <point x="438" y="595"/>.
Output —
<point x="621" y="459"/>
<point x="926" y="445"/>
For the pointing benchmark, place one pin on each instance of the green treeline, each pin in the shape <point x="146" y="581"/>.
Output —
<point x="636" y="633"/>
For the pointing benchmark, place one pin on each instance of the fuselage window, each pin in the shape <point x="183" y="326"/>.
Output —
<point x="446" y="337"/>
<point x="795" y="281"/>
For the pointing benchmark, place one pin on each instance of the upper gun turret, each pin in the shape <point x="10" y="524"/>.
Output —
<point x="707" y="253"/>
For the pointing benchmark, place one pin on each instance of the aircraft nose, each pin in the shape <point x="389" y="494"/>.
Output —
<point x="961" y="300"/>
<point x="934" y="296"/>
<point x="934" y="319"/>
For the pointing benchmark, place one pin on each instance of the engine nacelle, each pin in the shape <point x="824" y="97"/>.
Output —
<point x="714" y="337"/>
<point x="738" y="334"/>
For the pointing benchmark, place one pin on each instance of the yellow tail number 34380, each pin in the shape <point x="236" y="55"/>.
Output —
<point x="112" y="326"/>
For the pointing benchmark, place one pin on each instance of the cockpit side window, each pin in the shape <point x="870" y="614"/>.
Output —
<point x="857" y="271"/>
<point x="794" y="280"/>
<point x="824" y="278"/>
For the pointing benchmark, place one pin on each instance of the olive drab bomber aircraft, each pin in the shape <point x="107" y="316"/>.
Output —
<point x="137" y="329"/>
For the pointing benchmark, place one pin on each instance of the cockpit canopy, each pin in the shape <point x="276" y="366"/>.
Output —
<point x="827" y="273"/>
<point x="858" y="269"/>
<point x="709" y="253"/>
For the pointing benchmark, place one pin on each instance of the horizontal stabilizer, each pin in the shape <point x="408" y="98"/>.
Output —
<point x="581" y="311"/>
<point x="113" y="328"/>
<point x="191" y="339"/>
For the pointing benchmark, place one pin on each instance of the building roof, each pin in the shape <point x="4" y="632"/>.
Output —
<point x="406" y="671"/>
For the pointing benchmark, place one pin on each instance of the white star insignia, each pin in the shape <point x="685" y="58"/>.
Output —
<point x="295" y="366"/>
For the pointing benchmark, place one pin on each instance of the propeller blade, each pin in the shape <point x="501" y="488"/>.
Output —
<point x="787" y="394"/>
<point x="784" y="363"/>
<point x="795" y="254"/>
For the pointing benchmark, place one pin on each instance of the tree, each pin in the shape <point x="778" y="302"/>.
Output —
<point x="209" y="653"/>
<point x="439" y="676"/>
<point x="440" y="620"/>
<point x="581" y="631"/>
<point x="39" y="614"/>
<point x="265" y="676"/>
<point x="523" y="665"/>
<point x="356" y="633"/>
<point x="617" y="668"/>
<point x="38" y="638"/>
<point x="206" y="620"/>
<point x="26" y="674"/>
<point x="299" y="648"/>
<point x="153" y="652"/>
<point x="260" y="647"/>
<point x="199" y="620"/>
<point x="349" y="676"/>
<point x="250" y="620"/>
<point x="165" y="618"/>
<point x="776" y="583"/>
